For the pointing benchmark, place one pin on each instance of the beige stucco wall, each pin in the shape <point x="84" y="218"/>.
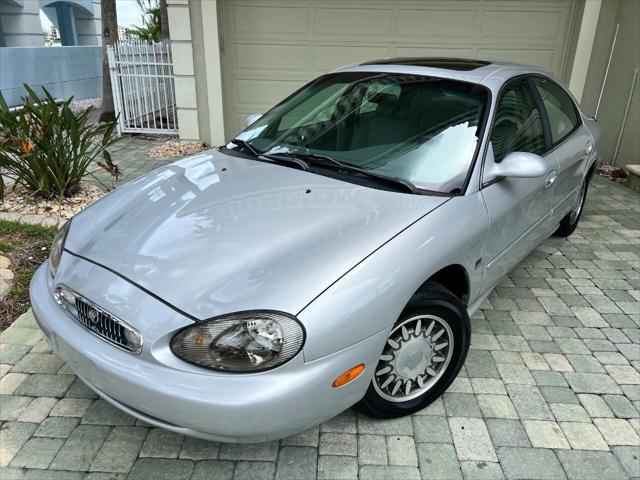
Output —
<point x="626" y="58"/>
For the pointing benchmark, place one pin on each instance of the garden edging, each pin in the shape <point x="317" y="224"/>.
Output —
<point x="33" y="219"/>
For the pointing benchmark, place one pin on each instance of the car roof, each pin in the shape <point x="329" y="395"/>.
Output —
<point x="472" y="70"/>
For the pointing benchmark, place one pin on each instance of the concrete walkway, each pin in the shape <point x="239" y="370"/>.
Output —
<point x="130" y="154"/>
<point x="550" y="390"/>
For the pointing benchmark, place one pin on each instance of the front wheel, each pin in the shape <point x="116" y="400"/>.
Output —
<point x="569" y="223"/>
<point x="423" y="354"/>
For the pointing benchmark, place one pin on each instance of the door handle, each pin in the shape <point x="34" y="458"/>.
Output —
<point x="551" y="177"/>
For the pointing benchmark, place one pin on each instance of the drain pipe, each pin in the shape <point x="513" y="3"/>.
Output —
<point x="606" y="72"/>
<point x="17" y="109"/>
<point x="625" y="116"/>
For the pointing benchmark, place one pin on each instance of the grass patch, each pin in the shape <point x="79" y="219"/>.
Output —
<point x="27" y="246"/>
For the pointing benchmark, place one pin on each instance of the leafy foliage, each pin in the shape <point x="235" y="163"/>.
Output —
<point x="47" y="148"/>
<point x="151" y="23"/>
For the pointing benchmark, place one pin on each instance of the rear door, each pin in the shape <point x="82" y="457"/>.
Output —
<point x="571" y="143"/>
<point x="519" y="209"/>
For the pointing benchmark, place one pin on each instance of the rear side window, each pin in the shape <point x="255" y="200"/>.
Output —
<point x="561" y="111"/>
<point x="517" y="126"/>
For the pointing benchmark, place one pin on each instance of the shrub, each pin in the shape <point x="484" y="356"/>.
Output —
<point x="47" y="148"/>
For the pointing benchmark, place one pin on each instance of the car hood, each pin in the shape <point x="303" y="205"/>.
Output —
<point x="214" y="233"/>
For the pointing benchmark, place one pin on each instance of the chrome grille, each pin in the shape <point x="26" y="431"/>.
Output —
<point x="99" y="321"/>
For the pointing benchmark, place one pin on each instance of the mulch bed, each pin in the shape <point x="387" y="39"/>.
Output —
<point x="612" y="173"/>
<point x="177" y="149"/>
<point x="19" y="200"/>
<point x="27" y="246"/>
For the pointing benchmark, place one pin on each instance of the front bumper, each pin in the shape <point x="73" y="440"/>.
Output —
<point x="198" y="402"/>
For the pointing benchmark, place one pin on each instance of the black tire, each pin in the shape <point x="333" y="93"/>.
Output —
<point x="435" y="301"/>
<point x="569" y="223"/>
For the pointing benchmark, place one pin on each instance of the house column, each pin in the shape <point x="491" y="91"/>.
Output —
<point x="88" y="27"/>
<point x="66" y="25"/>
<point x="584" y="47"/>
<point x="20" y="24"/>
<point x="213" y="74"/>
<point x="183" y="69"/>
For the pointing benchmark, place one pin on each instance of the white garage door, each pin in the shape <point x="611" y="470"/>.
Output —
<point x="271" y="48"/>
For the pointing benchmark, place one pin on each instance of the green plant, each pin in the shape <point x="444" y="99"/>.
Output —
<point x="151" y="24"/>
<point x="47" y="148"/>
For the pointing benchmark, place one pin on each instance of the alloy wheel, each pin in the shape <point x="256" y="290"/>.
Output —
<point x="415" y="356"/>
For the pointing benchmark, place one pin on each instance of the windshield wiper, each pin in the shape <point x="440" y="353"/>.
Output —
<point x="273" y="158"/>
<point x="247" y="146"/>
<point x="330" y="162"/>
<point x="280" y="158"/>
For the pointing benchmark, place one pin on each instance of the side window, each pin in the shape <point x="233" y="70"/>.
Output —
<point x="517" y="126"/>
<point x="560" y="108"/>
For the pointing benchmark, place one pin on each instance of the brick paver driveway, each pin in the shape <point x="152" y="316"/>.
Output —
<point x="550" y="390"/>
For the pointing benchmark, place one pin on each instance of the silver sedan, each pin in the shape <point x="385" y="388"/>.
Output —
<point x="330" y="255"/>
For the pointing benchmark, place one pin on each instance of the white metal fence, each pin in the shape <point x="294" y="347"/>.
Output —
<point x="143" y="88"/>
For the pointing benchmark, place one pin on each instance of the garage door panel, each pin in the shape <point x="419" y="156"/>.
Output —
<point x="275" y="57"/>
<point x="429" y="51"/>
<point x="527" y="26"/>
<point x="271" y="47"/>
<point x="458" y="26"/>
<point x="259" y="92"/>
<point x="353" y="22"/>
<point x="329" y="57"/>
<point x="544" y="58"/>
<point x="269" y="21"/>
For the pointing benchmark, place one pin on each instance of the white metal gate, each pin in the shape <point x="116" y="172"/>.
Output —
<point x="143" y="89"/>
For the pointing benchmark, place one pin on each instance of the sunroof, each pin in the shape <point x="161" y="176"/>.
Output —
<point x="446" y="63"/>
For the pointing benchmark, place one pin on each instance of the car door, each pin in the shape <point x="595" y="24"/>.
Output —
<point x="571" y="142"/>
<point x="519" y="209"/>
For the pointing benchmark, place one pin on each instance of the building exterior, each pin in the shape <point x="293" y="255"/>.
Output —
<point x="237" y="57"/>
<point x="77" y="21"/>
<point x="26" y="56"/>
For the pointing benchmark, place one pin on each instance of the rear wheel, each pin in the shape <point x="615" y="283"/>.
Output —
<point x="570" y="221"/>
<point x="425" y="351"/>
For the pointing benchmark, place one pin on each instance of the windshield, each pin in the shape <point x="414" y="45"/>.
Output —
<point x="421" y="129"/>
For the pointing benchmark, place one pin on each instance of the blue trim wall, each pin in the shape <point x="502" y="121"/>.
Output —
<point x="64" y="71"/>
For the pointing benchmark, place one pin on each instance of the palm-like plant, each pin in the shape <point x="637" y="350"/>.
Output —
<point x="47" y="149"/>
<point x="151" y="24"/>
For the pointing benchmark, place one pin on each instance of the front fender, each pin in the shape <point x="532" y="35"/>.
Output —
<point x="370" y="297"/>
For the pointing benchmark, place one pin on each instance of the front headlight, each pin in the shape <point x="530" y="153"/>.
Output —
<point x="57" y="247"/>
<point x="243" y="342"/>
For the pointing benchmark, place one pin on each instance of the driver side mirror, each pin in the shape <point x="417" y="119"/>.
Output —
<point x="251" y="119"/>
<point x="516" y="165"/>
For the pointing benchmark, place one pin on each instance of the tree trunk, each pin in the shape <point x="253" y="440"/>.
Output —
<point x="164" y="20"/>
<point x="109" y="37"/>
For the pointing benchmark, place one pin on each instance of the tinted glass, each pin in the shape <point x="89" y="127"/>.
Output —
<point x="560" y="109"/>
<point x="517" y="126"/>
<point x="418" y="128"/>
<point x="448" y="63"/>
